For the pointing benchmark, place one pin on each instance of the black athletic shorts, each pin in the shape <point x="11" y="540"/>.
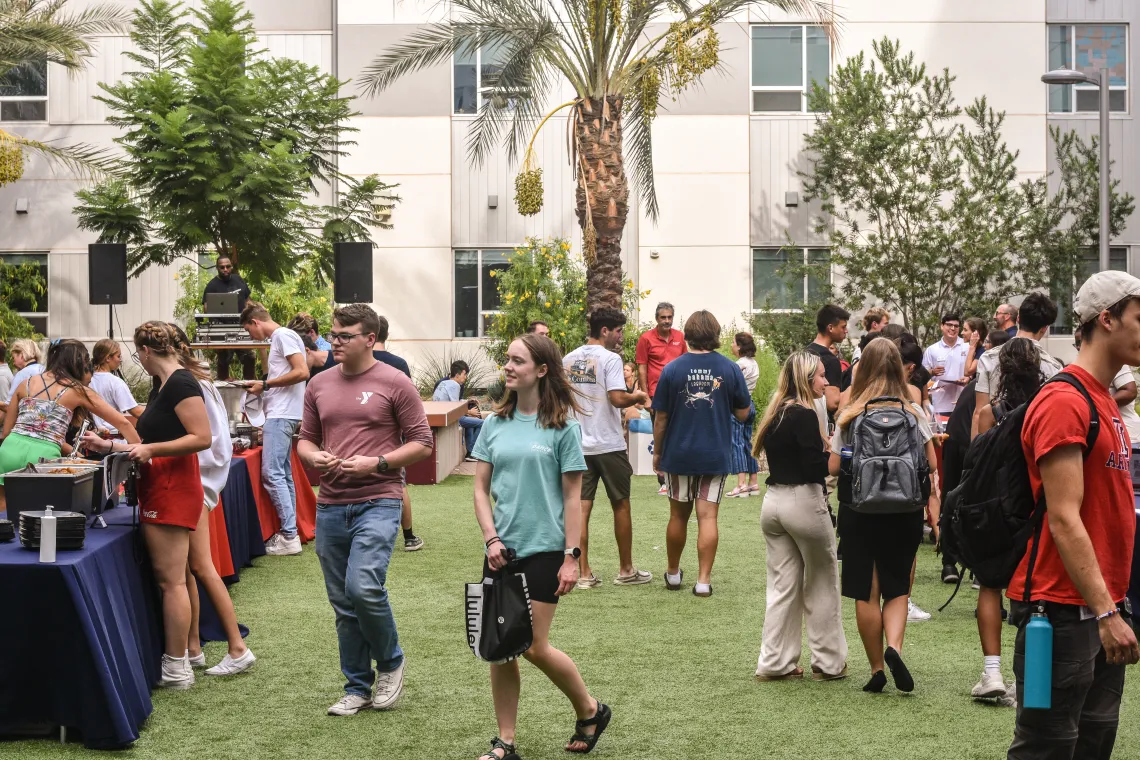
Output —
<point x="541" y="571"/>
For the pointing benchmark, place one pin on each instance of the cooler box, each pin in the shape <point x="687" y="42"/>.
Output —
<point x="641" y="446"/>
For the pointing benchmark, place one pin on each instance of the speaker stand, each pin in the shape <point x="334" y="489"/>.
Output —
<point x="111" y="321"/>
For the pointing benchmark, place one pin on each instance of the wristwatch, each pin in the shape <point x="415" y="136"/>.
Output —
<point x="381" y="464"/>
<point x="575" y="552"/>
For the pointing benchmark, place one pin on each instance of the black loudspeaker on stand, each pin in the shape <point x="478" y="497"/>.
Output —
<point x="352" y="278"/>
<point x="107" y="276"/>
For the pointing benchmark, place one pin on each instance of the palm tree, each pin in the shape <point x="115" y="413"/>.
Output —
<point x="618" y="73"/>
<point x="33" y="32"/>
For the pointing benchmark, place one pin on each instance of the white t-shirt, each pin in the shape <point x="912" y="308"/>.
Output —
<point x="751" y="371"/>
<point x="287" y="403"/>
<point x="989" y="374"/>
<point x="594" y="371"/>
<point x="115" y="392"/>
<point x="5" y="380"/>
<point x="214" y="462"/>
<point x="1128" y="413"/>
<point x="29" y="371"/>
<point x="953" y="358"/>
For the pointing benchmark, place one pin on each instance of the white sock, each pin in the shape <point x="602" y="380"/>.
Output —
<point x="993" y="663"/>
<point x="673" y="579"/>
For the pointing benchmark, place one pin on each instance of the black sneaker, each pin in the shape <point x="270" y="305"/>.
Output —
<point x="950" y="574"/>
<point x="413" y="544"/>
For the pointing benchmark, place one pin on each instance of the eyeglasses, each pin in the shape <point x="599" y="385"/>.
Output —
<point x="343" y="337"/>
<point x="952" y="325"/>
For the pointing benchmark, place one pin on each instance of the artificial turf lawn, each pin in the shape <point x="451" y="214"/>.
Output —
<point x="676" y="669"/>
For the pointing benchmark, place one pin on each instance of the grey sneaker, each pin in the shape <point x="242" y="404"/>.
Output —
<point x="413" y="544"/>
<point x="389" y="686"/>
<point x="1009" y="699"/>
<point x="589" y="582"/>
<point x="279" y="546"/>
<point x="350" y="704"/>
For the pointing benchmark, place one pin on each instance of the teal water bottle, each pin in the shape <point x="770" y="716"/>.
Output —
<point x="1038" y="662"/>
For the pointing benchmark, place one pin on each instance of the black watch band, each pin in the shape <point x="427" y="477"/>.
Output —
<point x="381" y="464"/>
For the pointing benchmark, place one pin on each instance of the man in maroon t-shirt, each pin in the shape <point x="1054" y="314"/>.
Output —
<point x="363" y="423"/>
<point x="1084" y="556"/>
<point x="655" y="349"/>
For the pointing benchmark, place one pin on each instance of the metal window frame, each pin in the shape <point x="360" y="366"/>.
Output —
<point x="1091" y="87"/>
<point x="30" y="99"/>
<point x="802" y="89"/>
<point x="804" y="253"/>
<point x="1055" y="329"/>
<point x="481" y="313"/>
<point x="480" y="90"/>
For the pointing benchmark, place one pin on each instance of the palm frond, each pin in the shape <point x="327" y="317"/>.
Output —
<point x="86" y="161"/>
<point x="34" y="30"/>
<point x="638" y="149"/>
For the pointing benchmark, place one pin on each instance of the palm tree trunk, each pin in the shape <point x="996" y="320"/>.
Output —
<point x="598" y="135"/>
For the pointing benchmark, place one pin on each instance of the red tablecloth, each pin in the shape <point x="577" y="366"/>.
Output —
<point x="306" y="499"/>
<point x="220" y="542"/>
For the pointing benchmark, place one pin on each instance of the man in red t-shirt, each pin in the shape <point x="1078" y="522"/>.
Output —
<point x="1084" y="558"/>
<point x="655" y="349"/>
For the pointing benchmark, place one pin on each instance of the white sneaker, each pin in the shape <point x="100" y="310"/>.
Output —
<point x="350" y="704"/>
<point x="279" y="546"/>
<point x="389" y="686"/>
<point x="915" y="614"/>
<point x="230" y="666"/>
<point x="663" y="491"/>
<point x="1009" y="699"/>
<point x="990" y="686"/>
<point x="176" y="673"/>
<point x="196" y="662"/>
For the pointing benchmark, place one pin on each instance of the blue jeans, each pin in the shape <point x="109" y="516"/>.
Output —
<point x="354" y="545"/>
<point x="277" y="471"/>
<point x="471" y="428"/>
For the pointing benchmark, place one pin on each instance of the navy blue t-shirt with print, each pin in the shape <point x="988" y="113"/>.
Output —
<point x="699" y="393"/>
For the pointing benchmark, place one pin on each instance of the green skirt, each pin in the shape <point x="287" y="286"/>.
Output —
<point x="20" y="450"/>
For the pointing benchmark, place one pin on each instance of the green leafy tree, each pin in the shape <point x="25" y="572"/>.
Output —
<point x="924" y="213"/>
<point x="226" y="151"/>
<point x="34" y="33"/>
<point x="21" y="287"/>
<point x="618" y="67"/>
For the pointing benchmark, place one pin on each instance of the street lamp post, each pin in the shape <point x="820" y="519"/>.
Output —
<point x="1070" y="77"/>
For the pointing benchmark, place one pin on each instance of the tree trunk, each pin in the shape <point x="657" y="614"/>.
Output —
<point x="598" y="134"/>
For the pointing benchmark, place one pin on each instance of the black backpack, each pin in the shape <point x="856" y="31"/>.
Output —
<point x="988" y="519"/>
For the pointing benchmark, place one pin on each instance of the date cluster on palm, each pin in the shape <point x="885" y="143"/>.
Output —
<point x="528" y="191"/>
<point x="11" y="164"/>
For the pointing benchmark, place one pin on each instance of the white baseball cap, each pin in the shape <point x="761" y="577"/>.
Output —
<point x="1102" y="291"/>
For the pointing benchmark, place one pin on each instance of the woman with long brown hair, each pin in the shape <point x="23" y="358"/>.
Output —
<point x="879" y="549"/>
<point x="803" y="576"/>
<point x="44" y="406"/>
<point x="530" y="464"/>
<point x="213" y="466"/>
<point x="174" y="428"/>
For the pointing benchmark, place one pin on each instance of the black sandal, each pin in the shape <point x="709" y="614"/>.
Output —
<point x="600" y="720"/>
<point x="498" y="743"/>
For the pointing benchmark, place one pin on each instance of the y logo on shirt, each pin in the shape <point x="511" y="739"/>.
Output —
<point x="364" y="396"/>
<point x="1119" y="460"/>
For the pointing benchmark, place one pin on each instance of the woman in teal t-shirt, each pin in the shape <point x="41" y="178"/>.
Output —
<point x="530" y="464"/>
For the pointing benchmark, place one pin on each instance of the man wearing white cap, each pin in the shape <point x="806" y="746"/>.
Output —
<point x="1084" y="553"/>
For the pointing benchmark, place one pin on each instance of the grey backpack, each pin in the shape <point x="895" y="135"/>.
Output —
<point x="889" y="469"/>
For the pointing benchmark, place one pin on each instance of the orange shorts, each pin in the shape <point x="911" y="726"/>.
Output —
<point x="170" y="491"/>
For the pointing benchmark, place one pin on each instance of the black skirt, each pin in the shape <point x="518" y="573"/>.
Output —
<point x="886" y="543"/>
<point x="541" y="571"/>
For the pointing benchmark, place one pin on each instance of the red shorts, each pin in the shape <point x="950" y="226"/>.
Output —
<point x="170" y="491"/>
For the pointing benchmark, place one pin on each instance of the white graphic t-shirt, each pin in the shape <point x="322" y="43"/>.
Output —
<point x="593" y="372"/>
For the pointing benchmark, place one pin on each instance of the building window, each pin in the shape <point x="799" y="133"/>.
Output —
<point x="1089" y="48"/>
<point x="35" y="312"/>
<point x="785" y="62"/>
<point x="476" y="293"/>
<point x="1063" y="292"/>
<point x="23" y="93"/>
<point x="774" y="290"/>
<point x="474" y="76"/>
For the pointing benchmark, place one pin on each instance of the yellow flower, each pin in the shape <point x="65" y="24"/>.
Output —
<point x="629" y="284"/>
<point x="548" y="304"/>
<point x="565" y="246"/>
<point x="648" y="292"/>
<point x="563" y="333"/>
<point x="492" y="272"/>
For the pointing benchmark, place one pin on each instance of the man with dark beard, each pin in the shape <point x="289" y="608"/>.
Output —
<point x="229" y="281"/>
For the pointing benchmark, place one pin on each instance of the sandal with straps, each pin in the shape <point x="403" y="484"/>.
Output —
<point x="498" y="743"/>
<point x="600" y="721"/>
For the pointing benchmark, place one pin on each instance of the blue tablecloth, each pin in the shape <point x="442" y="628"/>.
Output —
<point x="244" y="530"/>
<point x="81" y="641"/>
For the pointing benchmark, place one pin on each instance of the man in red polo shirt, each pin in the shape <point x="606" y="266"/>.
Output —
<point x="1084" y="553"/>
<point x="655" y="349"/>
